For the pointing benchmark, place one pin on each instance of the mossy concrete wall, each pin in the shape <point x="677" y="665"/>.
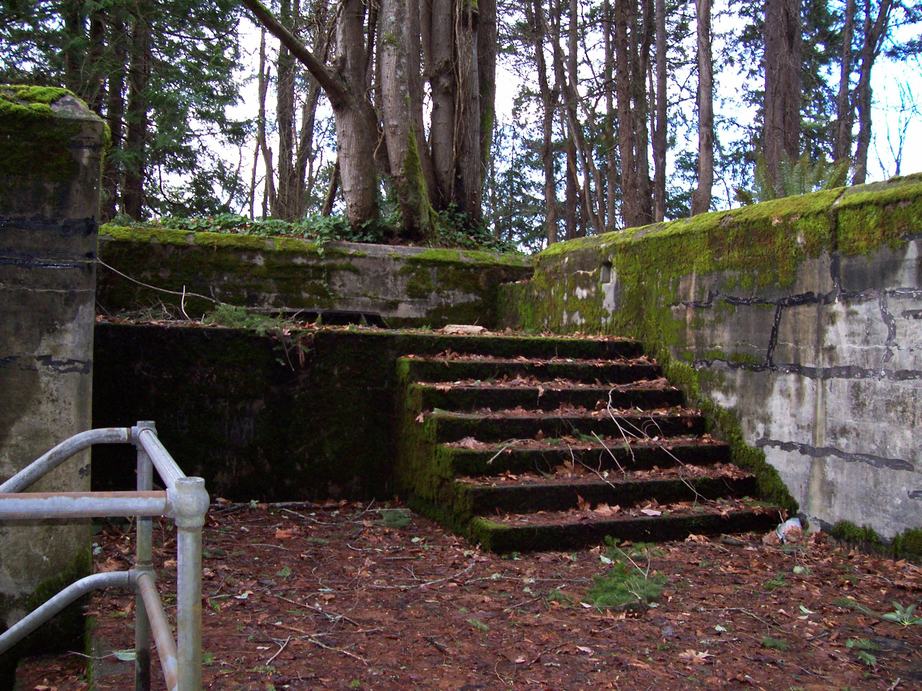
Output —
<point x="802" y="316"/>
<point x="405" y="286"/>
<point x="50" y="156"/>
<point x="310" y="415"/>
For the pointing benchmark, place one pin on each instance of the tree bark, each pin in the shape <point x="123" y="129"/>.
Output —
<point x="783" y="50"/>
<point x="137" y="117"/>
<point x="632" y="38"/>
<point x="875" y="29"/>
<point x="346" y="87"/>
<point x="468" y="190"/>
<point x="486" y="69"/>
<point x="402" y="114"/>
<point x="659" y="132"/>
<point x="844" y="115"/>
<point x="440" y="69"/>
<point x="701" y="198"/>
<point x="535" y="15"/>
<point x="115" y="113"/>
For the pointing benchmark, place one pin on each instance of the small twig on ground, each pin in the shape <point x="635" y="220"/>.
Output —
<point x="427" y="583"/>
<point x="496" y="455"/>
<point x="279" y="651"/>
<point x="310" y="638"/>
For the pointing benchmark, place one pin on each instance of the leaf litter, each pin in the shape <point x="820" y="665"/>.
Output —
<point x="362" y="604"/>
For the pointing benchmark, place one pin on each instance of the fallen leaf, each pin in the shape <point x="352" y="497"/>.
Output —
<point x="651" y="512"/>
<point x="284" y="533"/>
<point x="696" y="657"/>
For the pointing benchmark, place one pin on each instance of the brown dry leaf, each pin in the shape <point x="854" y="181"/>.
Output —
<point x="696" y="657"/>
<point x="582" y="504"/>
<point x="651" y="512"/>
<point x="421" y="418"/>
<point x="606" y="510"/>
<point x="462" y="329"/>
<point x="701" y="539"/>
<point x="285" y="533"/>
<point x="468" y="443"/>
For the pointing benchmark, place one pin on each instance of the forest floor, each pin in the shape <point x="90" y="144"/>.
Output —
<point x="337" y="596"/>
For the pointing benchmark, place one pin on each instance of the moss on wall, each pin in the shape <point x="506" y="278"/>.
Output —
<point x="407" y="287"/>
<point x="756" y="248"/>
<point x="29" y="125"/>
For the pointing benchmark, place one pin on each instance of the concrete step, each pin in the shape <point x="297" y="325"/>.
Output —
<point x="458" y="368"/>
<point x="575" y="529"/>
<point x="470" y="457"/>
<point x="519" y="345"/>
<point x="469" y="395"/>
<point x="529" y="495"/>
<point x="447" y="426"/>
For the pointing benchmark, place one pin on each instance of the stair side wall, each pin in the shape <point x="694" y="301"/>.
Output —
<point x="800" y="316"/>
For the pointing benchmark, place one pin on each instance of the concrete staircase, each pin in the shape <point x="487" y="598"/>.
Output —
<point x="559" y="442"/>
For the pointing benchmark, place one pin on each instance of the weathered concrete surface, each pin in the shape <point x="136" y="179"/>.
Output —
<point x="802" y="316"/>
<point x="48" y="221"/>
<point x="399" y="286"/>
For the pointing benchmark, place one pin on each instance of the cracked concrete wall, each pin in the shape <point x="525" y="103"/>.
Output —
<point x="48" y="221"/>
<point x="803" y="317"/>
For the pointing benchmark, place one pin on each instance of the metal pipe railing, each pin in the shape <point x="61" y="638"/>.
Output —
<point x="60" y="453"/>
<point x="185" y="500"/>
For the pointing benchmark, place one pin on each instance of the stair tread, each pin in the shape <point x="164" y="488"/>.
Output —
<point x="581" y="476"/>
<point x="566" y="444"/>
<point x="567" y="413"/>
<point x="474" y="357"/>
<point x="604" y="514"/>
<point x="558" y="384"/>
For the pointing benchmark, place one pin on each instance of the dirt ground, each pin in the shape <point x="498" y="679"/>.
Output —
<point x="337" y="596"/>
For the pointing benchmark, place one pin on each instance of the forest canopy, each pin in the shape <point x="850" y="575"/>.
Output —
<point x="377" y="119"/>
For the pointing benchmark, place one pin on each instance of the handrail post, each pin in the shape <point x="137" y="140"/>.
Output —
<point x="143" y="564"/>
<point x="190" y="503"/>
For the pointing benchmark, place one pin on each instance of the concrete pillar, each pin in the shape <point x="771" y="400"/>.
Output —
<point x="51" y="148"/>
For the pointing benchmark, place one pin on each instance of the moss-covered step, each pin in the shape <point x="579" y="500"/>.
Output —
<point x="435" y="369"/>
<point x="524" y="456"/>
<point x="546" y="396"/>
<point x="561" y="495"/>
<point x="446" y="426"/>
<point x="510" y="534"/>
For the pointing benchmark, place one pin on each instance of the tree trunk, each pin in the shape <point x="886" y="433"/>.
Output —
<point x="261" y="148"/>
<point x="468" y="191"/>
<point x="356" y="122"/>
<point x="402" y="114"/>
<point x="611" y="162"/>
<point x="115" y="114"/>
<point x="486" y="67"/>
<point x="874" y="32"/>
<point x="632" y="38"/>
<point x="783" y="49"/>
<point x="281" y="204"/>
<point x="659" y="131"/>
<point x="535" y="14"/>
<point x="137" y="117"/>
<point x="844" y="115"/>
<point x="346" y="88"/>
<point x="442" y="82"/>
<point x="701" y="198"/>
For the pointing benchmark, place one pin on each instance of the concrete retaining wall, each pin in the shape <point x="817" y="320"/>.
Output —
<point x="396" y="286"/>
<point x="803" y="316"/>
<point x="50" y="152"/>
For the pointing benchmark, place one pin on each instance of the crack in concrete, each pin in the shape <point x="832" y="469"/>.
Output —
<point x="825" y="451"/>
<point x="819" y="373"/>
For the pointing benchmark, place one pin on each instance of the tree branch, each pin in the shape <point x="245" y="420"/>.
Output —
<point x="334" y="89"/>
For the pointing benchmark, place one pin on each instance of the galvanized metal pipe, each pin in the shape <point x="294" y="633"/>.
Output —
<point x="70" y="594"/>
<point x="166" y="467"/>
<point x="166" y="646"/>
<point x="190" y="503"/>
<point x="41" y="505"/>
<point x="52" y="459"/>
<point x="144" y="565"/>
